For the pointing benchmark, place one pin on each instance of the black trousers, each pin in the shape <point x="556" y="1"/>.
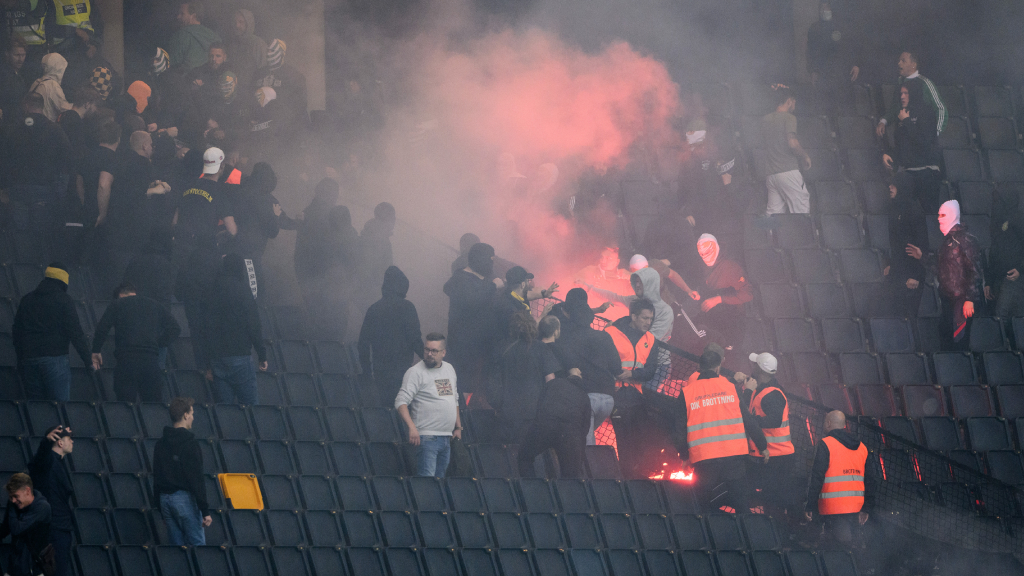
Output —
<point x="567" y="441"/>
<point x="775" y="480"/>
<point x="927" y="187"/>
<point x="61" y="540"/>
<point x="723" y="482"/>
<point x="138" y="374"/>
<point x="842" y="531"/>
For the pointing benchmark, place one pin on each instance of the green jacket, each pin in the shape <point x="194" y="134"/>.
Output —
<point x="190" y="45"/>
<point x="931" y="95"/>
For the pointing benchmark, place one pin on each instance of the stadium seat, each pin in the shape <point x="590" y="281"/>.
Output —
<point x="306" y="423"/>
<point x="509" y="531"/>
<point x="619" y="532"/>
<point x="538" y="496"/>
<point x="1011" y="401"/>
<point x="875" y="196"/>
<point x="842" y="335"/>
<point x="428" y="494"/>
<point x="128" y="491"/>
<point x="211" y="560"/>
<point x="981" y="227"/>
<point x="95" y="561"/>
<point x="998" y="134"/>
<point x="478" y="562"/>
<point x="892" y="335"/>
<point x="339" y="391"/>
<point x="962" y="165"/>
<point x="876" y="401"/>
<point x="794" y="231"/>
<point x="471" y="527"/>
<point x="900" y="426"/>
<point x="907" y="369"/>
<point x="269" y="423"/>
<point x="654" y="532"/>
<point x="238" y="457"/>
<point x="135" y="560"/>
<point x="733" y="562"/>
<point x="856" y="132"/>
<point x="602" y="462"/>
<point x="278" y="493"/>
<point x="690" y="531"/>
<point x="1003" y="368"/>
<point x="343" y="424"/>
<point x="492" y="461"/>
<point x="698" y="563"/>
<point x="865" y="165"/>
<point x="191" y="384"/>
<point x="957" y="135"/>
<point x="1006" y="165"/>
<point x="380" y="425"/>
<point x="247" y="527"/>
<point x="89" y="490"/>
<point x="296" y="356"/>
<point x="860" y="369"/>
<point x="986" y="335"/>
<point x="301" y="389"/>
<point x="290" y="561"/>
<point x="93" y="526"/>
<point x="366" y="561"/>
<point x="404" y="561"/>
<point x="810" y="266"/>
<point x="976" y="197"/>
<point x="825" y="165"/>
<point x="318" y="493"/>
<point x="354" y="493"/>
<point x="803" y="563"/>
<point x="82" y="417"/>
<point x="42" y="415"/>
<point x="1005" y="465"/>
<point x="725" y="532"/>
<point x="500" y="495"/>
<point x="833" y="198"/>
<point x="644" y="497"/>
<point x="311" y="459"/>
<point x="941" y="433"/>
<point x="132" y="527"/>
<point x="465" y="495"/>
<point x="989" y="434"/>
<point x="331" y="357"/>
<point x="861" y="265"/>
<point x="573" y="496"/>
<point x="766" y="266"/>
<point x="828" y="301"/>
<point x="391" y="493"/>
<point x="954" y="369"/>
<point x="233" y="422"/>
<point x="124" y="455"/>
<point x="269" y="389"/>
<point x="360" y="528"/>
<point x="921" y="401"/>
<point x="398" y="529"/>
<point x="838" y="563"/>
<point x="781" y="300"/>
<point x="796" y="335"/>
<point x="768" y="563"/>
<point x="516" y="561"/>
<point x="970" y="401"/>
<point x="609" y="497"/>
<point x="761" y="532"/>
<point x="994" y="101"/>
<point x="840" y="231"/>
<point x="877" y="230"/>
<point x="626" y="562"/>
<point x="324" y="528"/>
<point x="436" y="530"/>
<point x="173" y="560"/>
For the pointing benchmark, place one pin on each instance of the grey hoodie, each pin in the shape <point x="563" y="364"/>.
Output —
<point x="663" y="314"/>
<point x="48" y="86"/>
<point x="247" y="52"/>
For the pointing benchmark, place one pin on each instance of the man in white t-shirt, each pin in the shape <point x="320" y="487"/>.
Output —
<point x="429" y="404"/>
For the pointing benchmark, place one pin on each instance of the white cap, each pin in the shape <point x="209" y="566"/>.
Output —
<point x="765" y="362"/>
<point x="212" y="160"/>
<point x="637" y="262"/>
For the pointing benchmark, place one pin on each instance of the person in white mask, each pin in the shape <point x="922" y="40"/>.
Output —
<point x="959" y="270"/>
<point x="725" y="292"/>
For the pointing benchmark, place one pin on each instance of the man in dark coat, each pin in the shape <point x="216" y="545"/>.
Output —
<point x="390" y="336"/>
<point x="907" y="228"/>
<point x="562" y="422"/>
<point x="1006" y="257"/>
<point x="45" y="324"/>
<point x="50" y="477"/>
<point x="470" y="334"/>
<point x="27" y="522"/>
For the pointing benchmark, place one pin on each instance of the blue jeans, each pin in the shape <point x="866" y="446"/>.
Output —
<point x="47" y="377"/>
<point x="601" y="406"/>
<point x="183" y="519"/>
<point x="234" y="376"/>
<point x="433" y="455"/>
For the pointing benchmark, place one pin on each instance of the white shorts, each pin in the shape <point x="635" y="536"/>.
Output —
<point x="787" y="192"/>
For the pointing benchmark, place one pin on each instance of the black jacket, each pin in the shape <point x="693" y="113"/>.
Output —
<point x="29" y="529"/>
<point x="906" y="226"/>
<point x="46" y="322"/>
<point x="232" y="319"/>
<point x="772" y="405"/>
<point x="565" y="400"/>
<point x="390" y="334"/>
<point x="470" y="323"/>
<point x="178" y="465"/>
<point x="625" y="325"/>
<point x="680" y="441"/>
<point x="1007" y="250"/>
<point x="592" y="351"/>
<point x="51" y="479"/>
<point x="820" y="467"/>
<point x="36" y="154"/>
<point x="915" y="138"/>
<point x="255" y="218"/>
<point x="141" y="326"/>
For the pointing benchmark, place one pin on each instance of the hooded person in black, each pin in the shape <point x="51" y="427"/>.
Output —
<point x="50" y="478"/>
<point x="470" y="320"/>
<point x="27" y="521"/>
<point x="562" y="421"/>
<point x="1006" y="257"/>
<point x="234" y="328"/>
<point x="194" y="283"/>
<point x="522" y="364"/>
<point x="178" y="478"/>
<point x="906" y="274"/>
<point x="256" y="215"/>
<point x="390" y="336"/>
<point x="45" y="324"/>
<point x="916" y="147"/>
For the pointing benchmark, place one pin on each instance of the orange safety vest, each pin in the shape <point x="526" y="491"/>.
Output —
<point x="843" y="490"/>
<point x="632" y="357"/>
<point x="714" y="421"/>
<point x="779" y="441"/>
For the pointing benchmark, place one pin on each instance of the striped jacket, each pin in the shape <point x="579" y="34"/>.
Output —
<point x="931" y="95"/>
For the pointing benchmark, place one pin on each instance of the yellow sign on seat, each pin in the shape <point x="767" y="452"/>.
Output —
<point x="242" y="491"/>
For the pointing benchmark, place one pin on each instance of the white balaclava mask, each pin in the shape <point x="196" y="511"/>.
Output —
<point x="637" y="262"/>
<point x="707" y="247"/>
<point x="949" y="216"/>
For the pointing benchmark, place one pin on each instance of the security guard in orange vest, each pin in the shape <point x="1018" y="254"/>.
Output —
<point x="838" y="489"/>
<point x="769" y="408"/>
<point x="635" y="344"/>
<point x="711" y="431"/>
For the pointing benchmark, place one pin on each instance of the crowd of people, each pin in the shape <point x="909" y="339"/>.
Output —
<point x="164" y="190"/>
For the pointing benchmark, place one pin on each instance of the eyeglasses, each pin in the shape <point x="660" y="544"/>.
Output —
<point x="432" y="351"/>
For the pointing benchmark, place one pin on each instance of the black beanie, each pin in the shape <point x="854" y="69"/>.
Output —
<point x="480" y="259"/>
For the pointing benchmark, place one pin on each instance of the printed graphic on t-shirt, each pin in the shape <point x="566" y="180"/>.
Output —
<point x="444" y="387"/>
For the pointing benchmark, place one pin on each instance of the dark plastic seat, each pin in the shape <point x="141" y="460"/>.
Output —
<point x="644" y="497"/>
<point x="343" y="424"/>
<point x="899" y="465"/>
<point x="921" y="401"/>
<point x="1018" y="332"/>
<point x="398" y="529"/>
<point x="154" y="417"/>
<point x="331" y="357"/>
<point x="795" y="335"/>
<point x="500" y="495"/>
<point x="860" y="265"/>
<point x="827" y="301"/>
<point x="404" y="561"/>
<point x="291" y="561"/>
<point x="509" y="531"/>
<point x="825" y="165"/>
<point x="82" y="418"/>
<point x="811" y="367"/>
<point x="478" y="562"/>
<point x="581" y="530"/>
<point x="380" y="425"/>
<point x="994" y="101"/>
<point x="986" y="335"/>
<point x="900" y="426"/>
<point x="133" y="527"/>
<point x="192" y="384"/>
<point x="42" y="415"/>
<point x="465" y="495"/>
<point x="957" y="134"/>
<point x="725" y="532"/>
<point x="95" y="561"/>
<point x="1006" y="165"/>
<point x="976" y="197"/>
<point x="436" y="530"/>
<point x="998" y="134"/>
<point x="839" y="231"/>
<point x="366" y="561"/>
<point x="274" y="457"/>
<point x="233" y="422"/>
<point x="962" y="165"/>
<point x="856" y="132"/>
<point x="360" y="528"/>
<point x="311" y="458"/>
<point x="592" y="562"/>
<point x="173" y="560"/>
<point x="301" y="389"/>
<point x="838" y="563"/>
<point x="317" y="493"/>
<point x="834" y="198"/>
<point x="876" y="401"/>
<point x="296" y="356"/>
<point x="327" y="560"/>
<point x="128" y="490"/>
<point x="968" y="401"/>
<point x="781" y="301"/>
<point x="989" y="434"/>
<point x="690" y="531"/>
<point x="90" y="491"/>
<point x="892" y="335"/>
<point x="279" y="492"/>
<point x="861" y="369"/>
<point x="93" y="526"/>
<point x="238" y="457"/>
<point x="626" y="562"/>
<point x="428" y="494"/>
<point x="306" y="423"/>
<point x="354" y="493"/>
<point x="907" y="369"/>
<point x="349" y="459"/>
<point x="246" y="528"/>
<point x="865" y="165"/>
<point x="602" y="462"/>
<point x="697" y="563"/>
<point x="733" y="562"/>
<point x="492" y="461"/>
<point x="87" y="457"/>
<point x="538" y="495"/>
<point x="803" y="563"/>
<point x="619" y="532"/>
<point x="269" y="389"/>
<point x="794" y="231"/>
<point x="954" y="369"/>
<point x="768" y="563"/>
<point x="654" y="531"/>
<point x="609" y="497"/>
<point x="1003" y="368"/>
<point x="516" y="561"/>
<point x="766" y="266"/>
<point x="842" y="335"/>
<point x="324" y="528"/>
<point x="812" y="265"/>
<point x="135" y="560"/>
<point x="269" y="423"/>
<point x="391" y="493"/>
<point x="472" y="530"/>
<point x="1011" y="401"/>
<point x="941" y="433"/>
<point x="124" y="455"/>
<point x="339" y="390"/>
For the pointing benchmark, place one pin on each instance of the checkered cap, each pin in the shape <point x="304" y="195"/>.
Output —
<point x="101" y="80"/>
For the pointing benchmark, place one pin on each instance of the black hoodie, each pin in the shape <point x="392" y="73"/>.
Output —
<point x="29" y="529"/>
<point x="391" y="328"/>
<point x="233" y="321"/>
<point x="820" y="467"/>
<point x="592" y="351"/>
<point x="178" y="465"/>
<point x="50" y="477"/>
<point x="1007" y="250"/>
<point x="46" y="322"/>
<point x="906" y="226"/>
<point x="254" y="212"/>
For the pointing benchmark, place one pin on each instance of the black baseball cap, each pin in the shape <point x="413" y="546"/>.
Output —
<point x="517" y="275"/>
